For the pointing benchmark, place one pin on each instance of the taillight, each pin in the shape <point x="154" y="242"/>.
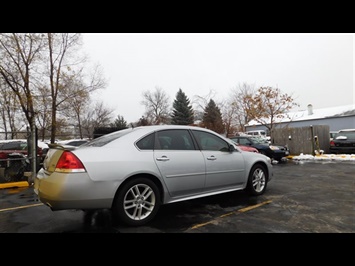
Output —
<point x="3" y="155"/>
<point x="68" y="162"/>
<point x="332" y="143"/>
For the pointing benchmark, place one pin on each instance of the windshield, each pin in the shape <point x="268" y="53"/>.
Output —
<point x="348" y="134"/>
<point x="259" y="140"/>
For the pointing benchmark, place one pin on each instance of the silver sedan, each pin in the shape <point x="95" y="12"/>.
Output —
<point x="132" y="172"/>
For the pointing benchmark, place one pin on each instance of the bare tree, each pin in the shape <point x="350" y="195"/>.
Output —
<point x="66" y="74"/>
<point x="157" y="106"/>
<point x="229" y="113"/>
<point x="269" y="104"/>
<point x="96" y="116"/>
<point x="11" y="116"/>
<point x="43" y="113"/>
<point x="59" y="46"/>
<point x="241" y="104"/>
<point x="18" y="56"/>
<point x="75" y="107"/>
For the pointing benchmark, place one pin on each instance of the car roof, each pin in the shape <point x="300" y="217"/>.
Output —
<point x="347" y="130"/>
<point x="150" y="128"/>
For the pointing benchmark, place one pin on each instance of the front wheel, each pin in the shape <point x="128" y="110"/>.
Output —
<point x="137" y="202"/>
<point x="257" y="181"/>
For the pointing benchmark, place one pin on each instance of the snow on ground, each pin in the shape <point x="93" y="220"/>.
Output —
<point x="325" y="157"/>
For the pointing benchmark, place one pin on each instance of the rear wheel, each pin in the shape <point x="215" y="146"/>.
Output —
<point x="137" y="202"/>
<point x="257" y="180"/>
<point x="6" y="177"/>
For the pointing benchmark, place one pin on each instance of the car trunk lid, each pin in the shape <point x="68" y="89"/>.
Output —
<point x="53" y="155"/>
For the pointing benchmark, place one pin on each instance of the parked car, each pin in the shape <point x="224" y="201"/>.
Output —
<point x="343" y="142"/>
<point x="132" y="172"/>
<point x="332" y="134"/>
<point x="14" y="159"/>
<point x="246" y="148"/>
<point x="276" y="152"/>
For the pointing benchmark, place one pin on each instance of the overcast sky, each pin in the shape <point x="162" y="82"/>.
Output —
<point x="312" y="68"/>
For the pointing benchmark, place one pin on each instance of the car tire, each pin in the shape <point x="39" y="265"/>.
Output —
<point x="13" y="173"/>
<point x="257" y="180"/>
<point x="137" y="202"/>
<point x="6" y="177"/>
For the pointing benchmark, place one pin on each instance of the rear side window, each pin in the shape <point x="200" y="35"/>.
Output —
<point x="146" y="143"/>
<point x="177" y="139"/>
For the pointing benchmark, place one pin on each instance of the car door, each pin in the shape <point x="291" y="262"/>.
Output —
<point x="223" y="168"/>
<point x="180" y="163"/>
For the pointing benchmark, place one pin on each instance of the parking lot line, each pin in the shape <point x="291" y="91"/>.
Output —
<point x="233" y="212"/>
<point x="21" y="207"/>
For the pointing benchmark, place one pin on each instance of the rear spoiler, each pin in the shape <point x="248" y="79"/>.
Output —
<point x="61" y="146"/>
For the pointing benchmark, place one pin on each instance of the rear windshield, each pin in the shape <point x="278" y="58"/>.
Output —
<point x="103" y="140"/>
<point x="348" y="134"/>
<point x="14" y="145"/>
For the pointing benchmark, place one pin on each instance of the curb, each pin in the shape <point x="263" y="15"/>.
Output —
<point x="14" y="184"/>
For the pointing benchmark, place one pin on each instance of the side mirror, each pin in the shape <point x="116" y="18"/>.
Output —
<point x="231" y="148"/>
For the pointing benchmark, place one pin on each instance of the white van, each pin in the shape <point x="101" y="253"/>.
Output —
<point x="258" y="133"/>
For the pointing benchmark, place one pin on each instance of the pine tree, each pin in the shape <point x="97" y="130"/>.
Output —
<point x="183" y="113"/>
<point x="119" y="122"/>
<point x="212" y="118"/>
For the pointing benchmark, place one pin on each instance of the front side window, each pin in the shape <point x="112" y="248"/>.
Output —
<point x="210" y="142"/>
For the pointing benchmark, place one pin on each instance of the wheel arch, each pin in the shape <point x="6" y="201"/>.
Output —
<point x="152" y="177"/>
<point x="264" y="166"/>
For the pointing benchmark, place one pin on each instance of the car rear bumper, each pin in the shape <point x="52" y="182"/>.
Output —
<point x="72" y="191"/>
<point x="340" y="150"/>
<point x="278" y="155"/>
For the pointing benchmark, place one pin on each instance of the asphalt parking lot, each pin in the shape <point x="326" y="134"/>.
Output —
<point x="303" y="197"/>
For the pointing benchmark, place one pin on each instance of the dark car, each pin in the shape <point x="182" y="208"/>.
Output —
<point x="14" y="159"/>
<point x="343" y="142"/>
<point x="276" y="152"/>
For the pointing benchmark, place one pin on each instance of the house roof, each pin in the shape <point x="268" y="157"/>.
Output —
<point x="311" y="114"/>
